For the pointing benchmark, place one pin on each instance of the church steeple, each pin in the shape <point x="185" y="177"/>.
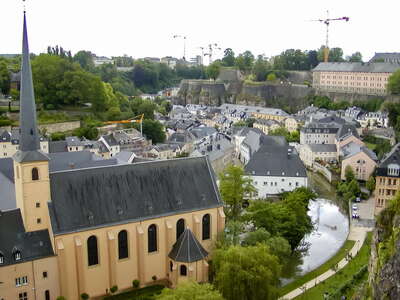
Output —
<point x="29" y="144"/>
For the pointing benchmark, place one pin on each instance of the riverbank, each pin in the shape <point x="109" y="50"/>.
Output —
<point x="358" y="235"/>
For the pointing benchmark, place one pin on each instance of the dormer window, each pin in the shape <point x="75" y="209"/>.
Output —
<point x="393" y="169"/>
<point x="17" y="255"/>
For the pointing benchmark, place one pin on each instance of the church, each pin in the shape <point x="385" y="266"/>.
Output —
<point x="67" y="231"/>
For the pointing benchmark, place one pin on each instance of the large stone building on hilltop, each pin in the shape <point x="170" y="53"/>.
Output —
<point x="68" y="229"/>
<point x="353" y="77"/>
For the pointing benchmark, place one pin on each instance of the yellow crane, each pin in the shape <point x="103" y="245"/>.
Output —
<point x="327" y="21"/>
<point x="137" y="119"/>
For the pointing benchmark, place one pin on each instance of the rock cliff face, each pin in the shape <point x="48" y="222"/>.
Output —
<point x="384" y="265"/>
<point x="230" y="88"/>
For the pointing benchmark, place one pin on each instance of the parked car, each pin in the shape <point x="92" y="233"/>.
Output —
<point x="355" y="215"/>
<point x="358" y="199"/>
<point x="355" y="207"/>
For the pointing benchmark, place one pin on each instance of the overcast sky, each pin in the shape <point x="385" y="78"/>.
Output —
<point x="142" y="28"/>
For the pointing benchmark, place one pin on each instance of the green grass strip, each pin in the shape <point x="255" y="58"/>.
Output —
<point x="298" y="282"/>
<point x="342" y="276"/>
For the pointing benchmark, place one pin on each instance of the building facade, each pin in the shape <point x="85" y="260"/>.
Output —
<point x="356" y="78"/>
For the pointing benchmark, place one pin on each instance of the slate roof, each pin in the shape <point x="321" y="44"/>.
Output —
<point x="200" y="132"/>
<point x="382" y="67"/>
<point x="352" y="149"/>
<point x="110" y="140"/>
<point x="182" y="137"/>
<point x="7" y="199"/>
<point x="58" y="146"/>
<point x="275" y="161"/>
<point x="32" y="245"/>
<point x="322" y="147"/>
<point x="97" y="197"/>
<point x="387" y="57"/>
<point x="393" y="157"/>
<point x="187" y="248"/>
<point x="73" y="141"/>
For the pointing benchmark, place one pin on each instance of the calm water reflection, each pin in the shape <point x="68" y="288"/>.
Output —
<point x="330" y="232"/>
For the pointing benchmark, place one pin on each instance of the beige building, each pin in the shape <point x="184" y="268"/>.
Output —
<point x="309" y="153"/>
<point x="387" y="179"/>
<point x="291" y="124"/>
<point x="74" y="231"/>
<point x="361" y="159"/>
<point x="266" y="125"/>
<point x="9" y="143"/>
<point x="352" y="77"/>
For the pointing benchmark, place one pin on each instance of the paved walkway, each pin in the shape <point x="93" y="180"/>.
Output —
<point x="357" y="234"/>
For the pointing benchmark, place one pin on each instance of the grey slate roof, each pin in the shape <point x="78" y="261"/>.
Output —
<point x="387" y="57"/>
<point x="32" y="245"/>
<point x="57" y="146"/>
<point x="352" y="149"/>
<point x="7" y="199"/>
<point x="73" y="141"/>
<point x="97" y="197"/>
<point x="275" y="161"/>
<point x="382" y="67"/>
<point x="187" y="248"/>
<point x="322" y="147"/>
<point x="110" y="140"/>
<point x="393" y="157"/>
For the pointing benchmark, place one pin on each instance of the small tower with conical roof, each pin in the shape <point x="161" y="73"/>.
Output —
<point x="31" y="165"/>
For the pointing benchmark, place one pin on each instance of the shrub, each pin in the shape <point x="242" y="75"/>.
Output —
<point x="5" y="122"/>
<point x="60" y="298"/>
<point x="154" y="277"/>
<point x="113" y="289"/>
<point x="84" y="296"/>
<point x="135" y="283"/>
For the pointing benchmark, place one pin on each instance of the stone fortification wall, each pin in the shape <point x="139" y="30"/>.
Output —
<point x="60" y="127"/>
<point x="299" y="77"/>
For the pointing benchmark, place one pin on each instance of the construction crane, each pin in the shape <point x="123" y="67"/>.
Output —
<point x="176" y="36"/>
<point x="137" y="119"/>
<point x="327" y="21"/>
<point x="211" y="48"/>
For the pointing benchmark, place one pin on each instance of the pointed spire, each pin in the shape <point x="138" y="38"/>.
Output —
<point x="29" y="144"/>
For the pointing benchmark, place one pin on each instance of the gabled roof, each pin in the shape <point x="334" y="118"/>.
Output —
<point x="57" y="146"/>
<point x="110" y="140"/>
<point x="31" y="245"/>
<point x="97" y="197"/>
<point x="73" y="141"/>
<point x="393" y="157"/>
<point x="353" y="148"/>
<point x="187" y="248"/>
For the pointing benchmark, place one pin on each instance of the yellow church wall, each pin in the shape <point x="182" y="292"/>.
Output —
<point x="94" y="280"/>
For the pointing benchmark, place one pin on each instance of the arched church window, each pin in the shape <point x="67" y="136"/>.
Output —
<point x="180" y="227"/>
<point x="92" y="250"/>
<point x="152" y="238"/>
<point x="35" y="174"/>
<point x="206" y="227"/>
<point x="122" y="244"/>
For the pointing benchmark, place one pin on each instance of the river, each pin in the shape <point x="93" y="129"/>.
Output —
<point x="331" y="227"/>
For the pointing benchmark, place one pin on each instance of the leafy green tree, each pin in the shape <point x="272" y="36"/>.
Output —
<point x="271" y="76"/>
<point x="336" y="54"/>
<point x="355" y="57"/>
<point x="312" y="57"/>
<point x="246" y="273"/>
<point x="84" y="59"/>
<point x="239" y="124"/>
<point x="394" y="83"/>
<point x="153" y="130"/>
<point x="260" y="69"/>
<point x="231" y="235"/>
<point x="107" y="72"/>
<point x="235" y="187"/>
<point x="190" y="290"/>
<point x="370" y="185"/>
<point x="143" y="106"/>
<point x="292" y="59"/>
<point x="287" y="218"/>
<point x="213" y="70"/>
<point x="14" y="94"/>
<point x="89" y="131"/>
<point x="258" y="236"/>
<point x="229" y="58"/>
<point x="5" y="78"/>
<point x="349" y="173"/>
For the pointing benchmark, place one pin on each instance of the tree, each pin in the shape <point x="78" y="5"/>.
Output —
<point x="154" y="130"/>
<point x="229" y="58"/>
<point x="5" y="78"/>
<point x="213" y="70"/>
<point x="271" y="76"/>
<point x="312" y="57"/>
<point x="85" y="59"/>
<point x="234" y="188"/>
<point x="287" y="218"/>
<point x="394" y="83"/>
<point x="246" y="273"/>
<point x="355" y="57"/>
<point x="370" y="184"/>
<point x="349" y="173"/>
<point x="260" y="69"/>
<point x="84" y="296"/>
<point x="190" y="290"/>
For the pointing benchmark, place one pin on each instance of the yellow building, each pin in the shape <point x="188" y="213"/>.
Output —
<point x="74" y="231"/>
<point x="387" y="179"/>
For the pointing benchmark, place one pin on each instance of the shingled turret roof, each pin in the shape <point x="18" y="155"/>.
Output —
<point x="187" y="248"/>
